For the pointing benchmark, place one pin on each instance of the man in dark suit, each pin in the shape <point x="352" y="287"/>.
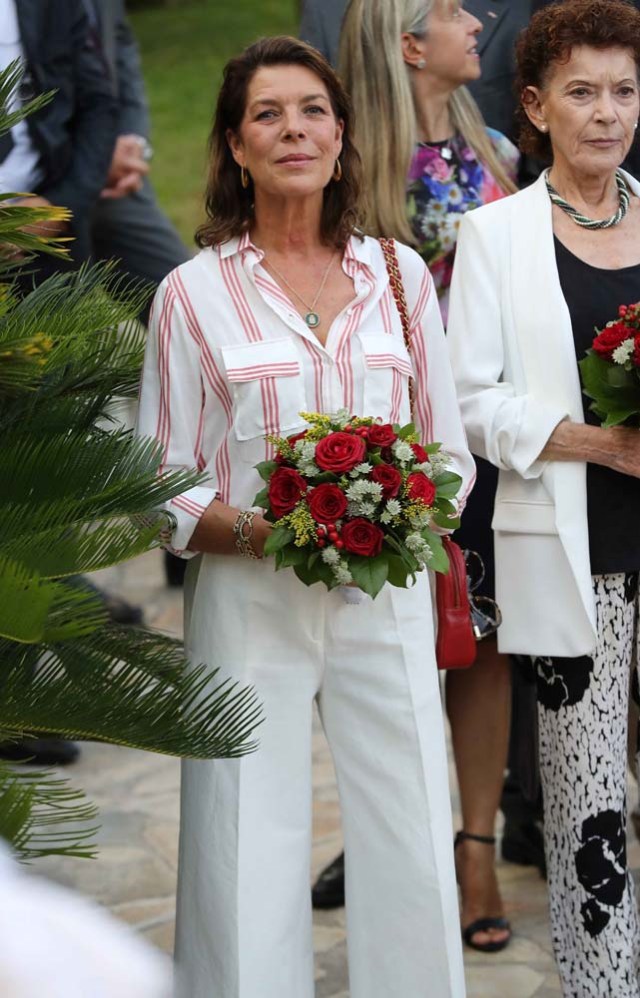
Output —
<point x="126" y="221"/>
<point x="320" y="26"/>
<point x="63" y="152"/>
<point x="502" y="21"/>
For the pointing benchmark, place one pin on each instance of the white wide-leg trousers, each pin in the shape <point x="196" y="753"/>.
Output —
<point x="244" y="914"/>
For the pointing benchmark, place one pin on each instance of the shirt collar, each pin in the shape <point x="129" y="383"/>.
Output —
<point x="357" y="251"/>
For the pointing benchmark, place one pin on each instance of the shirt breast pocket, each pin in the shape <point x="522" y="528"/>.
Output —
<point x="386" y="377"/>
<point x="267" y="387"/>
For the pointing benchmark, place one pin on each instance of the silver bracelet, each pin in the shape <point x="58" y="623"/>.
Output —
<point x="243" y="532"/>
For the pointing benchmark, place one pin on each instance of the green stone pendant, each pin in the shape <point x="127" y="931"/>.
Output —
<point x="312" y="319"/>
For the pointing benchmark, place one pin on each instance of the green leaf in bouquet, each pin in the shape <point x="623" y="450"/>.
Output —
<point x="448" y="484"/>
<point x="445" y="506"/>
<point x="615" y="391"/>
<point x="325" y="476"/>
<point x="406" y="431"/>
<point x="393" y="542"/>
<point x="262" y="498"/>
<point x="446" y="522"/>
<point x="289" y="557"/>
<point x="317" y="572"/>
<point x="370" y="574"/>
<point x="278" y="539"/>
<point x="411" y="563"/>
<point x="439" y="560"/>
<point x="618" y="417"/>
<point x="265" y="469"/>
<point x="398" y="574"/>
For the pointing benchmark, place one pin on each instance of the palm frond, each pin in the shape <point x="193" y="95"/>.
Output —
<point x="33" y="609"/>
<point x="52" y="484"/>
<point x="10" y="78"/>
<point x="83" y="547"/>
<point x="42" y="815"/>
<point x="139" y="693"/>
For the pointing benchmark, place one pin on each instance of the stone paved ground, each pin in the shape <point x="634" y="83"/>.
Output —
<point x="135" y="873"/>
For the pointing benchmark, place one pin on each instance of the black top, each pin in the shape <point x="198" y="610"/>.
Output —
<point x="593" y="296"/>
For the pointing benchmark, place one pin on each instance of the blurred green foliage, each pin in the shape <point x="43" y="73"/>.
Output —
<point x="184" y="48"/>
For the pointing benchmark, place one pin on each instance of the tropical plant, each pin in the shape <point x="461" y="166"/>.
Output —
<point x="75" y="497"/>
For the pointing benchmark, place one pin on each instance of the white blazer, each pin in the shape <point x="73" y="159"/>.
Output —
<point x="514" y="363"/>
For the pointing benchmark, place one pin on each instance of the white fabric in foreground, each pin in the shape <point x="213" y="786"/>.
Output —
<point x="57" y="944"/>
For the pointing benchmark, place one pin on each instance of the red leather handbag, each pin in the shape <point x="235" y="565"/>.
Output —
<point x="455" y="641"/>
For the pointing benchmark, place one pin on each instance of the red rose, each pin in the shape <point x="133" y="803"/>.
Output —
<point x="361" y="536"/>
<point x="610" y="338"/>
<point x="420" y="453"/>
<point x="327" y="503"/>
<point x="421" y="487"/>
<point x="389" y="478"/>
<point x="381" y="435"/>
<point x="636" y="352"/>
<point x="340" y="452"/>
<point x="286" y="488"/>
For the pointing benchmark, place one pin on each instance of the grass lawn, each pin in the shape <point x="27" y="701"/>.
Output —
<point x="183" y="51"/>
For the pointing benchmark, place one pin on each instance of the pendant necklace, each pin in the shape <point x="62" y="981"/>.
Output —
<point x="583" y="220"/>
<point x="311" y="318"/>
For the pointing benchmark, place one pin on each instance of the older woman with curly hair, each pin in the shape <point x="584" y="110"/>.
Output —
<point x="536" y="274"/>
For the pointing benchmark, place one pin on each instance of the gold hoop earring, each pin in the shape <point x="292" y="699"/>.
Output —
<point x="244" y="177"/>
<point x="337" y="172"/>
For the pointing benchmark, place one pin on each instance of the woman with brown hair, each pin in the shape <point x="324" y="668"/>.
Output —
<point x="535" y="276"/>
<point x="287" y="309"/>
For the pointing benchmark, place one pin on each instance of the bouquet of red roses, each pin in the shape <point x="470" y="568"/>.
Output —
<point x="611" y="369"/>
<point x="352" y="500"/>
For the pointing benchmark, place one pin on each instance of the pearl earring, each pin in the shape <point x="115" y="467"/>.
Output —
<point x="543" y="128"/>
<point x="421" y="63"/>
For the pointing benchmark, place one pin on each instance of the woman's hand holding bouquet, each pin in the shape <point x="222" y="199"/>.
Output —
<point x="353" y="500"/>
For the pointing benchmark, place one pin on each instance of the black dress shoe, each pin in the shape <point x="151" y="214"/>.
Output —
<point x="328" y="890"/>
<point x="40" y="751"/>
<point x="524" y="844"/>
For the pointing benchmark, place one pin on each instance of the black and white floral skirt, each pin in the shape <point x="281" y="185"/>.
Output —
<point x="583" y="729"/>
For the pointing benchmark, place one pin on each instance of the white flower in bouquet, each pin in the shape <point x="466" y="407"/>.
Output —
<point x="363" y="496"/>
<point x="436" y="465"/>
<point x="330" y="556"/>
<point x="341" y="418"/>
<point x="402" y="451"/>
<point x="342" y="574"/>
<point x="418" y="547"/>
<point x="391" y="511"/>
<point x="624" y="352"/>
<point x="361" y="469"/>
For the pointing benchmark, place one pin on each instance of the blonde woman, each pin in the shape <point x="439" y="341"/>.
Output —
<point x="429" y="158"/>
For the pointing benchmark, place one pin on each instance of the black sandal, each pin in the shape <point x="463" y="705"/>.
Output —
<point x="483" y="924"/>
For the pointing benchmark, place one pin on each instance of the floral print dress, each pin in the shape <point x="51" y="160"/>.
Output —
<point x="445" y="181"/>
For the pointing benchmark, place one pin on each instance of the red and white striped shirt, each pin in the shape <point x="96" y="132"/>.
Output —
<point x="229" y="360"/>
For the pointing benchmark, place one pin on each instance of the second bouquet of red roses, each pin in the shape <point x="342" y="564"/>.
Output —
<point x="611" y="369"/>
<point x="353" y="500"/>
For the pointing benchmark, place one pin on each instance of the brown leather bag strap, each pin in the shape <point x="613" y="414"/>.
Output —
<point x="388" y="247"/>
